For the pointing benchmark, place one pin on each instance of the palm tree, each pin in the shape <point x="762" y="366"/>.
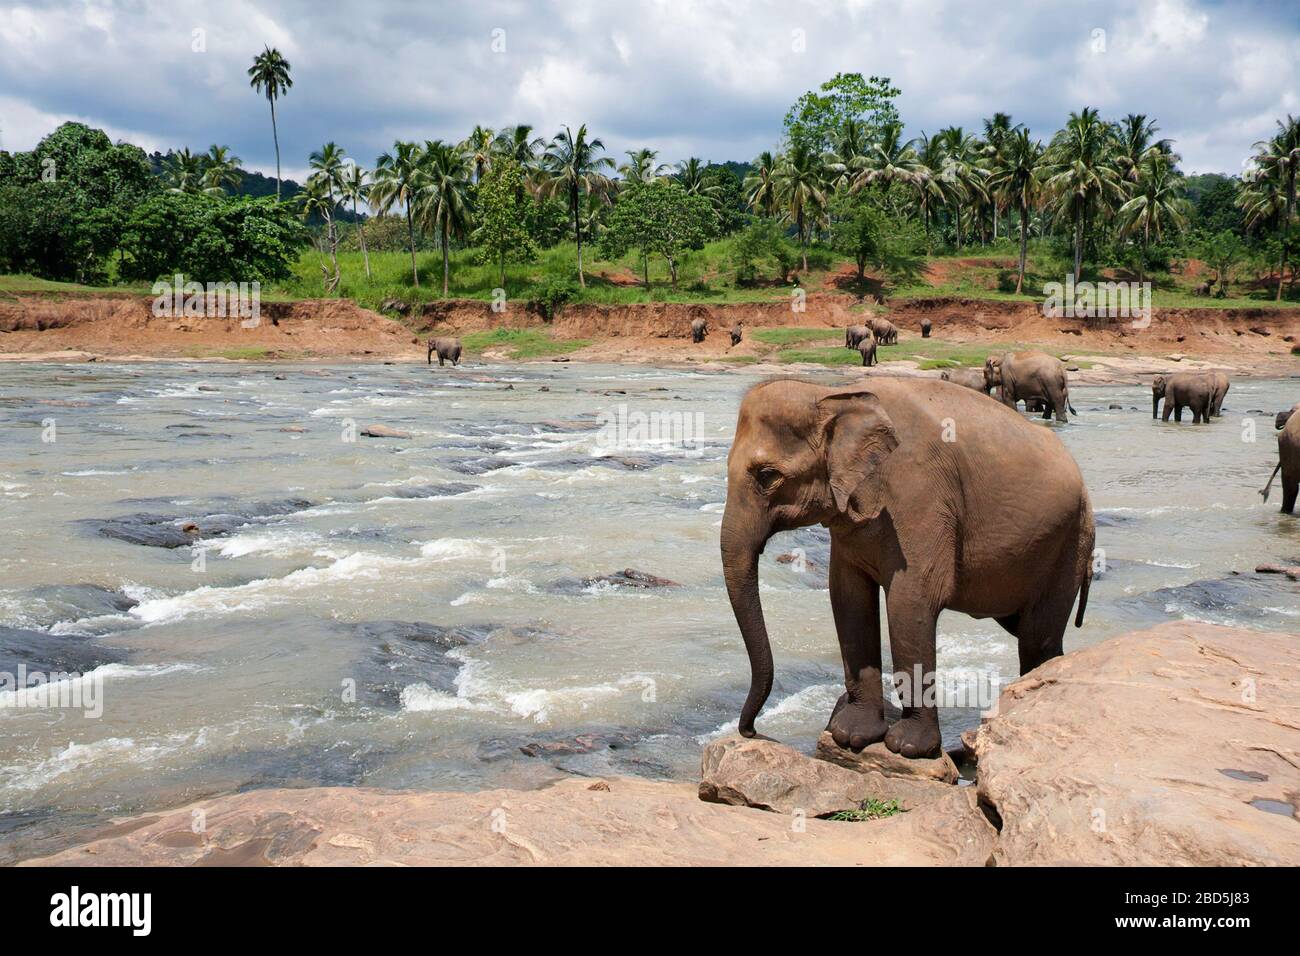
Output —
<point x="930" y="186"/>
<point x="397" y="179"/>
<point x="1279" y="157"/>
<point x="269" y="74"/>
<point x="572" y="166"/>
<point x="327" y="165"/>
<point x="1157" y="202"/>
<point x="183" y="171"/>
<point x="354" y="186"/>
<point x="845" y="159"/>
<point x="961" y="174"/>
<point x="761" y="185"/>
<point x="1080" y="175"/>
<point x="443" y="202"/>
<point x="640" y="166"/>
<point x="801" y="189"/>
<point x="519" y="143"/>
<point x="478" y="147"/>
<point x="998" y="130"/>
<point x="220" y="169"/>
<point x="1136" y="141"/>
<point x="1015" y="180"/>
<point x="887" y="160"/>
<point x="316" y="199"/>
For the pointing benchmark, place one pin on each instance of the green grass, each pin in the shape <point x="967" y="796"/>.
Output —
<point x="869" y="809"/>
<point x="31" y="284"/>
<point x="245" y="354"/>
<point x="522" y="343"/>
<point x="831" y="355"/>
<point x="794" y="335"/>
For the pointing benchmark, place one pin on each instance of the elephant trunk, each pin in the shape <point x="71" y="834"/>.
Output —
<point x="742" y="542"/>
<point x="1155" y="406"/>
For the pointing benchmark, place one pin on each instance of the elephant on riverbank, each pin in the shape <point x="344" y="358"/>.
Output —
<point x="925" y="328"/>
<point x="854" y="334"/>
<point x="448" y="350"/>
<point x="969" y="377"/>
<point x="737" y="331"/>
<point x="928" y="520"/>
<point x="886" y="332"/>
<point x="868" y="349"/>
<point x="1288" y="458"/>
<point x="1029" y="376"/>
<point x="1194" y="390"/>
<point x="699" y="329"/>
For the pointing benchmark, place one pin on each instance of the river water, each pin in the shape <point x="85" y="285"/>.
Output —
<point x="427" y="612"/>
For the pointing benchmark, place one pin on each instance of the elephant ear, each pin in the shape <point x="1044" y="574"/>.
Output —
<point x="857" y="438"/>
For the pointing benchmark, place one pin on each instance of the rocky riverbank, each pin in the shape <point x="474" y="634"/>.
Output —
<point x="1178" y="745"/>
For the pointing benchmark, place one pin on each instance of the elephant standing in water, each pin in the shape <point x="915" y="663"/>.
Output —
<point x="1221" y="386"/>
<point x="854" y="334"/>
<point x="1288" y="455"/>
<point x="1194" y="390"/>
<point x="928" y="520"/>
<point x="699" y="329"/>
<point x="1030" y="376"/>
<point x="969" y="377"/>
<point x="448" y="351"/>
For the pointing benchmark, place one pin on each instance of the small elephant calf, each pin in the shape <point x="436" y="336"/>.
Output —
<point x="925" y="328"/>
<point x="736" y="332"/>
<point x="699" y="329"/>
<point x="868" y="349"/>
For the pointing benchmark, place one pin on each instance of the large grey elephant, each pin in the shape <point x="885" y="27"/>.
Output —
<point x="1030" y="376"/>
<point x="1288" y="458"/>
<point x="868" y="349"/>
<point x="699" y="329"/>
<point x="969" y="377"/>
<point x="1194" y="390"/>
<point x="854" y="334"/>
<point x="928" y="520"/>
<point x="886" y="332"/>
<point x="448" y="350"/>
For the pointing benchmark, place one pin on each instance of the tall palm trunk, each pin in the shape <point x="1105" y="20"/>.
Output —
<point x="803" y="240"/>
<point x="1024" y="243"/>
<point x="445" y="265"/>
<point x="1146" y="241"/>
<point x="361" y="234"/>
<point x="577" y="232"/>
<point x="1078" y="245"/>
<point x="1286" y="231"/>
<point x="275" y="135"/>
<point x="410" y="228"/>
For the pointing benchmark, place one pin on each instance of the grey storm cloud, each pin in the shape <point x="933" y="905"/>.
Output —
<point x="708" y="79"/>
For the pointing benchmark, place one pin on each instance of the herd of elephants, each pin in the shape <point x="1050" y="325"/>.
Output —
<point x="911" y="477"/>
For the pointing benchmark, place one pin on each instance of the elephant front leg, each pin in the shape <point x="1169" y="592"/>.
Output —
<point x="859" y="715"/>
<point x="911" y="644"/>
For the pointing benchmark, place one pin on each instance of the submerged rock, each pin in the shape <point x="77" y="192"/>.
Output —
<point x="179" y="531"/>
<point x="383" y="431"/>
<point x="631" y="578"/>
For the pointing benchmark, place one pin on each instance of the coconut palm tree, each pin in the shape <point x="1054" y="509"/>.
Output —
<point x="1135" y="142"/>
<point x="1014" y="180"/>
<point x="269" y="74"/>
<point x="572" y="166"/>
<point x="1080" y="176"/>
<point x="220" y="169"/>
<point x="931" y="189"/>
<point x="519" y="144"/>
<point x="397" y="179"/>
<point x="479" y="147"/>
<point x="845" y="159"/>
<point x="962" y="173"/>
<point x="998" y="130"/>
<point x="801" y="190"/>
<point x="183" y="171"/>
<point x="316" y="199"/>
<point x="1279" y="158"/>
<point x="328" y="167"/>
<point x="1156" y="202"/>
<point x="888" y="159"/>
<point x="443" y="201"/>
<point x="356" y="186"/>
<point x="640" y="166"/>
<point x="760" y="185"/>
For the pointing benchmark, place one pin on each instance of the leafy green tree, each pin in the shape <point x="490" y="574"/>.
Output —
<point x="502" y="234"/>
<point x="762" y="240"/>
<point x="1222" y="252"/>
<point x="816" y="118"/>
<point x="856" y="231"/>
<point x="269" y="74"/>
<point x="657" y="218"/>
<point x="801" y="189"/>
<point x="1279" y="159"/>
<point x="1156" y="204"/>
<point x="211" y="239"/>
<point x="1080" y="175"/>
<point x="572" y="167"/>
<point x="398" y="178"/>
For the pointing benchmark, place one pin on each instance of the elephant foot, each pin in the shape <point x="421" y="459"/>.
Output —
<point x="856" y="725"/>
<point x="916" y="735"/>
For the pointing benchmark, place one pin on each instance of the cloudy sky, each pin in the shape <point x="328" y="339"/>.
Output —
<point x="709" y="79"/>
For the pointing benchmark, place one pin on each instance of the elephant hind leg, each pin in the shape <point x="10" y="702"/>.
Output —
<point x="1040" y="629"/>
<point x="1289" y="492"/>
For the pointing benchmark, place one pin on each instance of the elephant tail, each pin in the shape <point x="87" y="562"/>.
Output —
<point x="1083" y="596"/>
<point x="1087" y="541"/>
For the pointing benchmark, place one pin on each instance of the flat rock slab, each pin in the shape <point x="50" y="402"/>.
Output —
<point x="878" y="758"/>
<point x="580" y="822"/>
<point x="1179" y="745"/>
<point x="767" y="775"/>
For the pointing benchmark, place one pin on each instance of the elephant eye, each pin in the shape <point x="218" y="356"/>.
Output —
<point x="768" y="478"/>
